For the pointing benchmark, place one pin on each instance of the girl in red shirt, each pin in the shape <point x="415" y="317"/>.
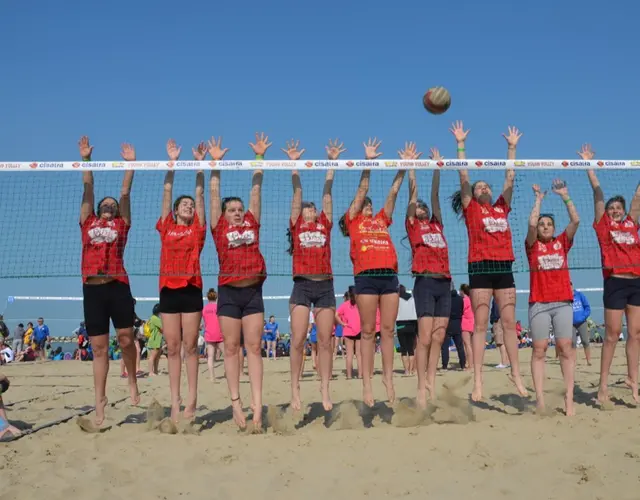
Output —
<point x="430" y="267"/>
<point x="617" y="233"/>
<point x="310" y="246"/>
<point x="490" y="257"/>
<point x="236" y="234"/>
<point x="183" y="230"/>
<point x="375" y="269"/>
<point x="550" y="292"/>
<point x="105" y="290"/>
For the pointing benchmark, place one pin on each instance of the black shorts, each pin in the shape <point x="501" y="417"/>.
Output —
<point x="407" y="331"/>
<point x="236" y="302"/>
<point x="307" y="292"/>
<point x="110" y="301"/>
<point x="187" y="299"/>
<point x="377" y="282"/>
<point x="432" y="297"/>
<point x="355" y="337"/>
<point x="621" y="292"/>
<point x="491" y="275"/>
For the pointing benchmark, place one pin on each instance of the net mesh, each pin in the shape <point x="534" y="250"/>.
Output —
<point x="40" y="235"/>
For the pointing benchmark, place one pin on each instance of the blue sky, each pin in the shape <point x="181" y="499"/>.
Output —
<point x="145" y="71"/>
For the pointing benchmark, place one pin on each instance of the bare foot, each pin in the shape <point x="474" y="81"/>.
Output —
<point x="569" y="410"/>
<point x="603" y="399"/>
<point x="295" y="397"/>
<point x="517" y="381"/>
<point x="391" y="392"/>
<point x="476" y="394"/>
<point x="189" y="411"/>
<point x="421" y="398"/>
<point x="238" y="415"/>
<point x="134" y="392"/>
<point x="367" y="395"/>
<point x="431" y="393"/>
<point x="257" y="419"/>
<point x="10" y="429"/>
<point x="175" y="410"/>
<point x="100" y="407"/>
<point x="634" y="389"/>
<point x="326" y="399"/>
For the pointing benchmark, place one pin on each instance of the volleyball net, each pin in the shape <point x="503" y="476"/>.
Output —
<point x="40" y="206"/>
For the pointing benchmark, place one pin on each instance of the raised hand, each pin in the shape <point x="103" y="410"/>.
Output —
<point x="199" y="152"/>
<point x="335" y="149"/>
<point x="292" y="150"/>
<point x="512" y="137"/>
<point x="539" y="193"/>
<point x="128" y="152"/>
<point x="173" y="150"/>
<point x="559" y="187"/>
<point x="371" y="149"/>
<point x="458" y="131"/>
<point x="409" y="152"/>
<point x="586" y="152"/>
<point x="261" y="145"/>
<point x="215" y="149"/>
<point x="434" y="154"/>
<point x="85" y="148"/>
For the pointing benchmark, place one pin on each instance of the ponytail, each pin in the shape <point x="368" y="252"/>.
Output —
<point x="456" y="203"/>
<point x="290" y="239"/>
<point x="344" y="229"/>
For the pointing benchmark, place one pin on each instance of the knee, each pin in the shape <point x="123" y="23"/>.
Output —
<point x="100" y="351"/>
<point x="539" y="353"/>
<point x="368" y="329"/>
<point x="437" y="337"/>
<point x="124" y="340"/>
<point x="611" y="335"/>
<point x="173" y="348"/>
<point x="253" y="348"/>
<point x="191" y="350"/>
<point x="325" y="342"/>
<point x="387" y="330"/>
<point x="231" y="349"/>
<point x="298" y="344"/>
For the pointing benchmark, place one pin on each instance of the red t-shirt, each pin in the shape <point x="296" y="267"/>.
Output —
<point x="488" y="230"/>
<point x="430" y="254"/>
<point x="371" y="245"/>
<point x="180" y="252"/>
<point x="311" y="246"/>
<point x="619" y="246"/>
<point x="103" y="243"/>
<point x="238" y="249"/>
<point x="548" y="270"/>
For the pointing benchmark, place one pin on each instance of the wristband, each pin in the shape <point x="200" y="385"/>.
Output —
<point x="567" y="201"/>
<point x="84" y="159"/>
<point x="259" y="157"/>
<point x="461" y="150"/>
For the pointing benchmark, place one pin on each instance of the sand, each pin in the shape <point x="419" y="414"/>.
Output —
<point x="496" y="449"/>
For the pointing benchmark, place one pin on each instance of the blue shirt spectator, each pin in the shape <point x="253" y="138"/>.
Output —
<point x="581" y="307"/>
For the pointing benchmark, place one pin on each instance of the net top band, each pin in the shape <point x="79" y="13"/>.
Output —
<point x="379" y="164"/>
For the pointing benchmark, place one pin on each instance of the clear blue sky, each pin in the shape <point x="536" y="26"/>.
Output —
<point x="563" y="72"/>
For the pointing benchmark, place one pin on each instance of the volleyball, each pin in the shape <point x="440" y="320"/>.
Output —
<point x="437" y="100"/>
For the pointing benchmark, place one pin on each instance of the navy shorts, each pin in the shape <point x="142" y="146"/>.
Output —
<point x="432" y="297"/>
<point x="107" y="302"/>
<point x="377" y="282"/>
<point x="491" y="275"/>
<point x="238" y="302"/>
<point x="621" y="292"/>
<point x="187" y="299"/>
<point x="320" y="294"/>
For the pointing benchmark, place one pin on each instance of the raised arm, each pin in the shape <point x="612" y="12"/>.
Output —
<point x="410" y="153"/>
<point x="334" y="150"/>
<point x="458" y="131"/>
<point x="294" y="154"/>
<point x="88" y="197"/>
<point x="199" y="154"/>
<point x="435" y="187"/>
<point x="255" y="201"/>
<point x="532" y="232"/>
<point x="217" y="154"/>
<point x="560" y="188"/>
<point x="512" y="139"/>
<point x="587" y="153"/>
<point x="370" y="153"/>
<point x="634" y="210"/>
<point x="390" y="202"/>
<point x="173" y="151"/>
<point x="128" y="153"/>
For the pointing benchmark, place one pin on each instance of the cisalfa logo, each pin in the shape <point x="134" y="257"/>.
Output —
<point x="76" y="165"/>
<point x="478" y="163"/>
<point x="170" y="164"/>
<point x="308" y="164"/>
<point x="440" y="164"/>
<point x="349" y="164"/>
<point x="601" y="164"/>
<point x="565" y="163"/>
<point x="212" y="164"/>
<point x="33" y="165"/>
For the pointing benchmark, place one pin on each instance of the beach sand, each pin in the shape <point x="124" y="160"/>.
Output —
<point x="496" y="449"/>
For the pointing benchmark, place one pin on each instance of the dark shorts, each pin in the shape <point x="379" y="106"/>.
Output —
<point x="432" y="297"/>
<point x="320" y="294"/>
<point x="407" y="332"/>
<point x="187" y="299"/>
<point x="377" y="282"/>
<point x="236" y="302"/>
<point x="355" y="337"/>
<point x="491" y="275"/>
<point x="107" y="302"/>
<point x="4" y="386"/>
<point x="621" y="292"/>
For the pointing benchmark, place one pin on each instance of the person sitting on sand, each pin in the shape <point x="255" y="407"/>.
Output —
<point x="5" y="426"/>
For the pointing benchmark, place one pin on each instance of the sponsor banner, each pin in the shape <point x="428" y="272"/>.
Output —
<point x="378" y="164"/>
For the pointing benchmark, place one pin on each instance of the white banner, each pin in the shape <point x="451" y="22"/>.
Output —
<point x="53" y="166"/>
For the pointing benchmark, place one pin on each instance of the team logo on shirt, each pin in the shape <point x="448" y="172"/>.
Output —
<point x="628" y="224"/>
<point x="623" y="238"/>
<point x="99" y="234"/>
<point x="373" y="226"/>
<point x="177" y="233"/>
<point x="434" y="240"/>
<point x="236" y="238"/>
<point x="542" y="247"/>
<point x="499" y="210"/>
<point x="495" y="225"/>
<point x="550" y="262"/>
<point x="312" y="239"/>
<point x="557" y="245"/>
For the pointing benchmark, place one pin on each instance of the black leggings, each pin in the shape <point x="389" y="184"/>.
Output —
<point x="407" y="332"/>
<point x="457" y="340"/>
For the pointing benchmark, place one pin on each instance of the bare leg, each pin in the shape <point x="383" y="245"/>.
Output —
<point x="367" y="306"/>
<point x="126" y="341"/>
<point x="299" y="327"/>
<point x="100" y="346"/>
<point x="567" y="366"/>
<point x="613" y="327"/>
<point x="358" y="351"/>
<point x="190" y="334"/>
<point x="350" y="347"/>
<point x="324" y="323"/>
<point x="172" y="330"/>
<point x="466" y="340"/>
<point x="632" y="349"/>
<point x="506" y="300"/>
<point x="587" y="354"/>
<point x="425" y="327"/>
<point x="437" y="338"/>
<point x="388" y="317"/>
<point x="538" y="357"/>
<point x="136" y="344"/>
<point x="252" y="328"/>
<point x="233" y="365"/>
<point x="480" y="302"/>
<point x="211" y="352"/>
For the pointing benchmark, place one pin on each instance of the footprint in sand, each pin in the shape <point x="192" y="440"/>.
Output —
<point x="406" y="414"/>
<point x="280" y="421"/>
<point x="89" y="426"/>
<point x="155" y="414"/>
<point x="347" y="416"/>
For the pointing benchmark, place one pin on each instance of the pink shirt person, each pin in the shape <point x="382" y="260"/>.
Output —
<point x="350" y="316"/>
<point x="468" y="320"/>
<point x="212" y="332"/>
